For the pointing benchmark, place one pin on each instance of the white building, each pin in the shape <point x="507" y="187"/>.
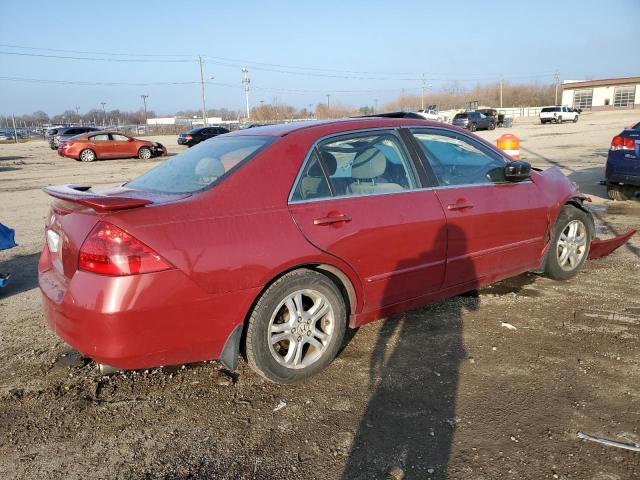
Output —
<point x="607" y="94"/>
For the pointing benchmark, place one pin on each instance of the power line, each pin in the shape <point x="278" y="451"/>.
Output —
<point x="271" y="67"/>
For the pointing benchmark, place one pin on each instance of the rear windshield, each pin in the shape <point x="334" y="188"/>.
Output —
<point x="201" y="166"/>
<point x="195" y="130"/>
<point x="461" y="115"/>
<point x="551" y="109"/>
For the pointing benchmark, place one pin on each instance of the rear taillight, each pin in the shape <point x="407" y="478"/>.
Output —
<point x="622" y="143"/>
<point x="109" y="250"/>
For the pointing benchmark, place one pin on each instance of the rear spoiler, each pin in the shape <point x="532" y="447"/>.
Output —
<point x="80" y="194"/>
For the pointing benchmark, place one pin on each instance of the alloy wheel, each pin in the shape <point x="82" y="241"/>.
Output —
<point x="572" y="245"/>
<point x="301" y="328"/>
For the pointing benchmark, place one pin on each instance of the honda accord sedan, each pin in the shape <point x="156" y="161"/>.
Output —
<point x="101" y="145"/>
<point x="273" y="241"/>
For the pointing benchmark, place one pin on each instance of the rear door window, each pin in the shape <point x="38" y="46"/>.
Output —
<point x="202" y="166"/>
<point x="357" y="164"/>
<point x="103" y="137"/>
<point x="119" y="138"/>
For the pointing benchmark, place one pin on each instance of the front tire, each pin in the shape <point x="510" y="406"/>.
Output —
<point x="296" y="328"/>
<point x="575" y="119"/>
<point x="473" y="127"/>
<point x="87" y="155"/>
<point x="559" y="120"/>
<point x="570" y="244"/>
<point x="144" y="153"/>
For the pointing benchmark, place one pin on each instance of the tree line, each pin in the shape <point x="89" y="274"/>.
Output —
<point x="450" y="96"/>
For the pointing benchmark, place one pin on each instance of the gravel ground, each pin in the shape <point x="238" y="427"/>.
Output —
<point x="447" y="391"/>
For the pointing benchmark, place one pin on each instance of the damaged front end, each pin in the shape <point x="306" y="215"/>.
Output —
<point x="158" y="150"/>
<point x="602" y="248"/>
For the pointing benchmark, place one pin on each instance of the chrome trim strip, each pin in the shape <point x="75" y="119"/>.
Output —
<point x="395" y="273"/>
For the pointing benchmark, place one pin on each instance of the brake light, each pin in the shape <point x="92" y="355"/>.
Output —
<point x="109" y="250"/>
<point x="622" y="143"/>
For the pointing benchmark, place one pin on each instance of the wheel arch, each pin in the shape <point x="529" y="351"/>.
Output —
<point x="235" y="343"/>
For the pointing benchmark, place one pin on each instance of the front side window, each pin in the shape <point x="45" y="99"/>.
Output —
<point x="202" y="166"/>
<point x="458" y="160"/>
<point x="357" y="164"/>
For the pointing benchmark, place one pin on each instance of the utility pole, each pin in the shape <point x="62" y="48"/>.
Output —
<point x="245" y="81"/>
<point x="15" y="133"/>
<point x="556" y="77"/>
<point x="144" y="100"/>
<point x="328" y="101"/>
<point x="104" y="114"/>
<point x="501" y="91"/>
<point x="78" y="114"/>
<point x="204" y="108"/>
<point x="311" y="110"/>
<point x="423" y="88"/>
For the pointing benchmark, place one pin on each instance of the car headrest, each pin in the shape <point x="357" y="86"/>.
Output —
<point x="209" y="167"/>
<point x="330" y="163"/>
<point x="369" y="164"/>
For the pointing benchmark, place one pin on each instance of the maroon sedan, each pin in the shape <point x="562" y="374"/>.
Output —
<point x="277" y="239"/>
<point x="101" y="145"/>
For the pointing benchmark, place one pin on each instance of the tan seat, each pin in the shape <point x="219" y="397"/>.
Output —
<point x="367" y="167"/>
<point x="313" y="185"/>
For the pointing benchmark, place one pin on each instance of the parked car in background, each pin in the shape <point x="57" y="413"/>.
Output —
<point x="66" y="133"/>
<point x="431" y="114"/>
<point x="91" y="146"/>
<point x="200" y="134"/>
<point x="474" y="121"/>
<point x="558" y="114"/>
<point x="226" y="243"/>
<point x="622" y="172"/>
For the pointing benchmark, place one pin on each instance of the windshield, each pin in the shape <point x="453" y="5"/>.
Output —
<point x="201" y="166"/>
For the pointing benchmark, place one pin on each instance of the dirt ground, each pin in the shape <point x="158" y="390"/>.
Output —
<point x="446" y="391"/>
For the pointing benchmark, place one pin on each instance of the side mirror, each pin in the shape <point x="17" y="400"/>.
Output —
<point x="516" y="171"/>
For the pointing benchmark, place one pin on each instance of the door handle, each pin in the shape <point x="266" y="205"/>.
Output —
<point x="331" y="219"/>
<point x="460" y="205"/>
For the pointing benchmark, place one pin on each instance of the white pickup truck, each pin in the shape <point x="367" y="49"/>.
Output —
<point x="558" y="114"/>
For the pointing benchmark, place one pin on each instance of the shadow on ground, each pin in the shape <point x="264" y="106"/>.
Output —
<point x="410" y="419"/>
<point x="24" y="274"/>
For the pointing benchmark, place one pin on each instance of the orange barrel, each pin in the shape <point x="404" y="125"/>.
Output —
<point x="509" y="144"/>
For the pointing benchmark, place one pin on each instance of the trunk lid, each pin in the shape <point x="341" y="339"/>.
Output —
<point x="75" y="211"/>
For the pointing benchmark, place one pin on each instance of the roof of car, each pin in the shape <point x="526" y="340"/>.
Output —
<point x="282" y="129"/>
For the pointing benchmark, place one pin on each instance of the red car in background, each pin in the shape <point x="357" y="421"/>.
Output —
<point x="275" y="240"/>
<point x="102" y="145"/>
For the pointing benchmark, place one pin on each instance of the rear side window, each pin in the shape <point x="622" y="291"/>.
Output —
<point x="359" y="164"/>
<point x="100" y="138"/>
<point x="548" y="110"/>
<point x="461" y="115"/>
<point x="201" y="166"/>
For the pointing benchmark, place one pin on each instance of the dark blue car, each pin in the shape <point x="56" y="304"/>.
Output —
<point x="623" y="165"/>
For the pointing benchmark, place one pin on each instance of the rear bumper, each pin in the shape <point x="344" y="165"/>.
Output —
<point x="140" y="321"/>
<point x="623" y="167"/>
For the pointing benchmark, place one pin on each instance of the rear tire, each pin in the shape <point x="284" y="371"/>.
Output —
<point x="570" y="243"/>
<point x="144" y="153"/>
<point x="492" y="126"/>
<point x="87" y="155"/>
<point x="617" y="193"/>
<point x="306" y="311"/>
